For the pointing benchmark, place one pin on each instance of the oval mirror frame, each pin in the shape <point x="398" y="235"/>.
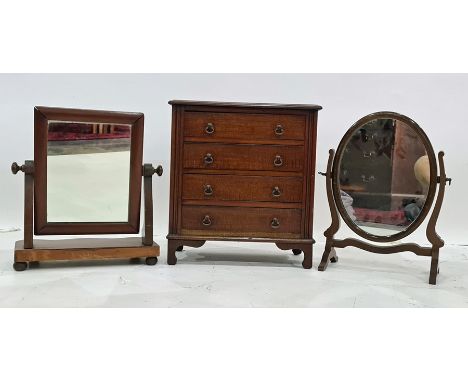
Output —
<point x="431" y="190"/>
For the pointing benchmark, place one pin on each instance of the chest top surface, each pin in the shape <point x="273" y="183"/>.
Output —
<point x="311" y="107"/>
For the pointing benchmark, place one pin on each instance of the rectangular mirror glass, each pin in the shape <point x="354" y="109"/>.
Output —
<point x="88" y="170"/>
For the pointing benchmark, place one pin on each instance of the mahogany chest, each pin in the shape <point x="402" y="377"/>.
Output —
<point x="242" y="172"/>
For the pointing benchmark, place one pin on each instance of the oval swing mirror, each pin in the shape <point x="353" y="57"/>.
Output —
<point x="382" y="181"/>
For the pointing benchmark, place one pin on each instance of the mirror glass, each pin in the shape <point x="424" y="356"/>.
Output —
<point x="384" y="176"/>
<point x="88" y="171"/>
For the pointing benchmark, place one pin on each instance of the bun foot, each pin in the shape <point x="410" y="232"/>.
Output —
<point x="180" y="248"/>
<point x="20" y="266"/>
<point x="296" y="252"/>
<point x="151" y="260"/>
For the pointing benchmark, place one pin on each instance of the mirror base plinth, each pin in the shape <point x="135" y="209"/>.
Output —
<point x="85" y="249"/>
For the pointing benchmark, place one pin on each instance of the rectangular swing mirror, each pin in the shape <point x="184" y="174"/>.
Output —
<point x="88" y="170"/>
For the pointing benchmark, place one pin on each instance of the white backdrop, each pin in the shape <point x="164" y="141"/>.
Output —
<point x="437" y="102"/>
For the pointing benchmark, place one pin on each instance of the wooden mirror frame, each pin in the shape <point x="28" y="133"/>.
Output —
<point x="337" y="207"/>
<point x="42" y="115"/>
<point x="336" y="176"/>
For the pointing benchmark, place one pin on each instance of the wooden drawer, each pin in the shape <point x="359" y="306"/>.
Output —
<point x="239" y="126"/>
<point x="240" y="221"/>
<point x="242" y="188"/>
<point x="243" y="157"/>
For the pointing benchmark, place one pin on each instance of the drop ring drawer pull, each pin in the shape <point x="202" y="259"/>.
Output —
<point x="208" y="159"/>
<point x="209" y="129"/>
<point x="276" y="192"/>
<point x="279" y="130"/>
<point x="275" y="223"/>
<point x="208" y="190"/>
<point x="278" y="162"/>
<point x="207" y="221"/>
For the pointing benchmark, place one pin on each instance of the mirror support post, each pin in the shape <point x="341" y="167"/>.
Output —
<point x="329" y="253"/>
<point x="148" y="171"/>
<point x="28" y="169"/>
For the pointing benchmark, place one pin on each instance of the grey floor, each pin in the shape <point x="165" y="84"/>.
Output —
<point x="238" y="275"/>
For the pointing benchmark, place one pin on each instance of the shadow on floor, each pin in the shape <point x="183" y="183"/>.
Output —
<point x="284" y="259"/>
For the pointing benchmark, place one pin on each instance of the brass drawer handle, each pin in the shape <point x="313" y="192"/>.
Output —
<point x="276" y="192"/>
<point x="207" y="221"/>
<point x="279" y="130"/>
<point x="208" y="190"/>
<point x="208" y="159"/>
<point x="275" y="223"/>
<point x="209" y="129"/>
<point x="278" y="162"/>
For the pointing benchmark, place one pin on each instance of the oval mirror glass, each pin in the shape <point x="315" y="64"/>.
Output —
<point x="384" y="176"/>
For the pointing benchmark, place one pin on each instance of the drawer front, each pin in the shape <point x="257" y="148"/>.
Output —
<point x="243" y="157"/>
<point x="242" y="222"/>
<point x="238" y="126"/>
<point x="242" y="188"/>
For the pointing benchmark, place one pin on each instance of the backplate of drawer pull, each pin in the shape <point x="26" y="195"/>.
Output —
<point x="276" y="192"/>
<point x="208" y="159"/>
<point x="275" y="223"/>
<point x="209" y="129"/>
<point x="278" y="162"/>
<point x="207" y="221"/>
<point x="279" y="130"/>
<point x="208" y="190"/>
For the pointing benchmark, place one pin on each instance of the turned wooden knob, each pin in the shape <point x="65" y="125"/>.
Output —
<point x="15" y="168"/>
<point x="27" y="167"/>
<point x="149" y="170"/>
<point x="159" y="170"/>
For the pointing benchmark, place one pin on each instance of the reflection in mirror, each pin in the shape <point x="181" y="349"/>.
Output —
<point x="384" y="176"/>
<point x="88" y="170"/>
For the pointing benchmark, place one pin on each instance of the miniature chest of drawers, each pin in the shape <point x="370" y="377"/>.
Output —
<point x="242" y="172"/>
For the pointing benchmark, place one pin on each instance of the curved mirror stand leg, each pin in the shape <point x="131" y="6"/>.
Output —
<point x="329" y="254"/>
<point x="431" y="233"/>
